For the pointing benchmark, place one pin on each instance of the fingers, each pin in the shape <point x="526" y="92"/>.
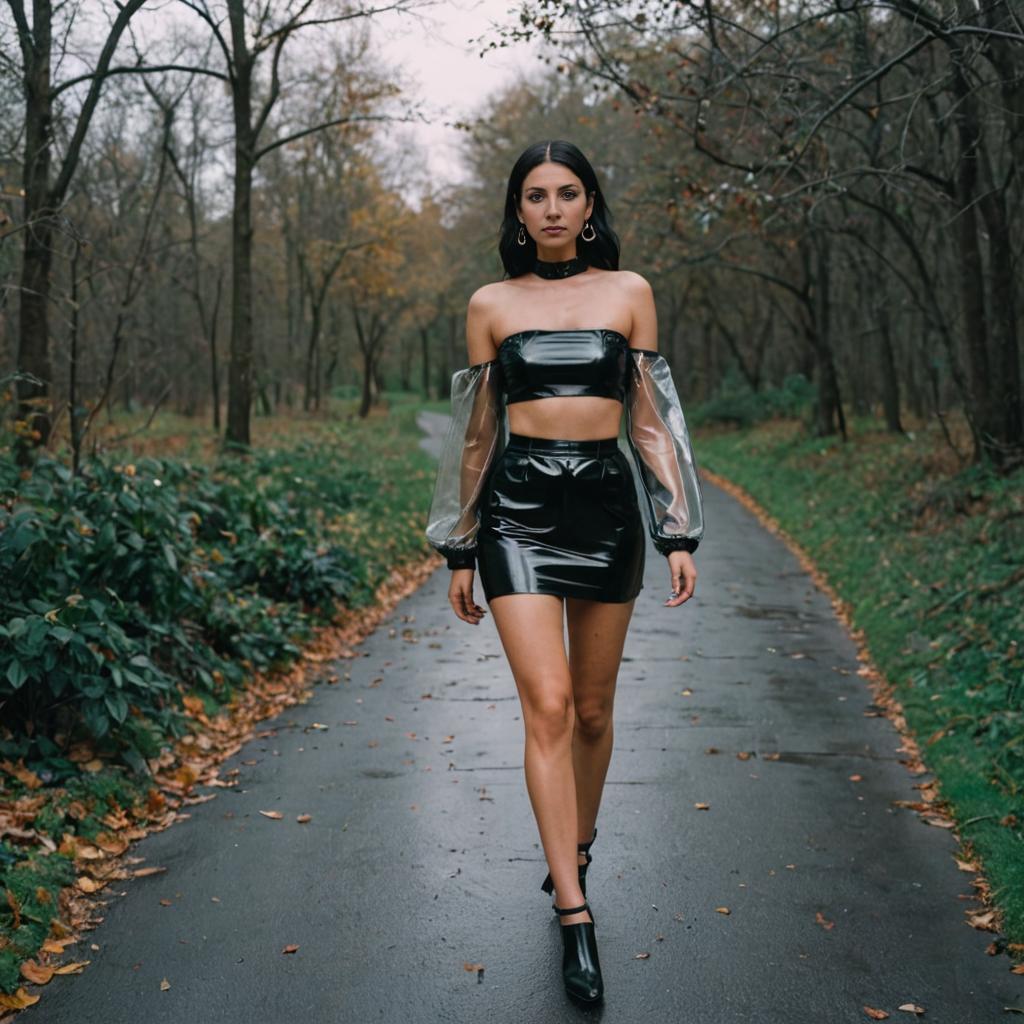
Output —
<point x="461" y="599"/>
<point x="683" y="582"/>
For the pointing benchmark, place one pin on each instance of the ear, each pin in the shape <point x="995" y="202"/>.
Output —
<point x="590" y="206"/>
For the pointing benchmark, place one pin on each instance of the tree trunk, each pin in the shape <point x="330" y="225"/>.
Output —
<point x="240" y="364"/>
<point x="36" y="266"/>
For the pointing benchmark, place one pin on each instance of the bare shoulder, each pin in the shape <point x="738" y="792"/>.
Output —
<point x="634" y="285"/>
<point x="487" y="297"/>
<point x="638" y="296"/>
<point x="484" y="308"/>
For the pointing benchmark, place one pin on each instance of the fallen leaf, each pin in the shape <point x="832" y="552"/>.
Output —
<point x="856" y="778"/>
<point x="722" y="910"/>
<point x="164" y="985"/>
<point x="143" y="872"/>
<point x="303" y="818"/>
<point x="743" y="755"/>
<point x="166" y="903"/>
<point x="1019" y="969"/>
<point x="73" y="968"/>
<point x="18" y="1001"/>
<point x="272" y="814"/>
<point x="875" y="1014"/>
<point x="985" y="920"/>
<point x="703" y="807"/>
<point x="475" y="968"/>
<point x="641" y="956"/>
<point x="36" y="973"/>
<point x="820" y="918"/>
<point x="293" y="947"/>
<point x="911" y="1008"/>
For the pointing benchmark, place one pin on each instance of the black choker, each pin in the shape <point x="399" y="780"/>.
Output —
<point x="561" y="268"/>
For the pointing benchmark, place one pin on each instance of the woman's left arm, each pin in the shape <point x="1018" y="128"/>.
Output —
<point x="660" y="443"/>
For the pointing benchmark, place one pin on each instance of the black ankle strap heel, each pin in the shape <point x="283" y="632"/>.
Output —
<point x="548" y="884"/>
<point x="581" y="968"/>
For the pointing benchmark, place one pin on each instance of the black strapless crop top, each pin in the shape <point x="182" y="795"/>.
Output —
<point x="549" y="364"/>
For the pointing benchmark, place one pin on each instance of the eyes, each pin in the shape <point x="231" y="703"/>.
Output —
<point x="568" y="195"/>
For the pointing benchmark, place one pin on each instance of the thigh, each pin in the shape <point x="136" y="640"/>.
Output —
<point x="531" y="630"/>
<point x="597" y="636"/>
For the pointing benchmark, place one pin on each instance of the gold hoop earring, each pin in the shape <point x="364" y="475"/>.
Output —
<point x="521" y="237"/>
<point x="583" y="233"/>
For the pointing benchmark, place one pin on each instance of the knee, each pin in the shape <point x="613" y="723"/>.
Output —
<point x="550" y="719"/>
<point x="593" y="718"/>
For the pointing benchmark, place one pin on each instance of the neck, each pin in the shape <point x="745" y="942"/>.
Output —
<point x="566" y="267"/>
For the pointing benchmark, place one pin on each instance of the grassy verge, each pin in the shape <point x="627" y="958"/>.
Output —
<point x="927" y="554"/>
<point x="149" y="596"/>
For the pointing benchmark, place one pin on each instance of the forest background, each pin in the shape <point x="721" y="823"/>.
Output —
<point x="230" y="277"/>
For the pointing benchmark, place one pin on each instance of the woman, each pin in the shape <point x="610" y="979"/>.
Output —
<point x="548" y="508"/>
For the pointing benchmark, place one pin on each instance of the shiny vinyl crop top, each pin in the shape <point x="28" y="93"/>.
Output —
<point x="545" y="364"/>
<point x="550" y="364"/>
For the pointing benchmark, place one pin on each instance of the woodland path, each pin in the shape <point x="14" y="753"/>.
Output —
<point x="422" y="855"/>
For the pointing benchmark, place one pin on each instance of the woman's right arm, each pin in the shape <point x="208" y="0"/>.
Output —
<point x="474" y="438"/>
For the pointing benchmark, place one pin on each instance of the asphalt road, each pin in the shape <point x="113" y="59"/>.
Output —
<point x="422" y="855"/>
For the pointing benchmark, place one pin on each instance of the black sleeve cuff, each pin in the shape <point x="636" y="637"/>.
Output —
<point x="465" y="559"/>
<point x="665" y="545"/>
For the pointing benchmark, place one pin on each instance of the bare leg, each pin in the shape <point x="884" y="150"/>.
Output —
<point x="597" y="635"/>
<point x="531" y="630"/>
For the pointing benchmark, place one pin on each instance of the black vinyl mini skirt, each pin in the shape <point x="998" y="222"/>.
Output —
<point x="561" y="517"/>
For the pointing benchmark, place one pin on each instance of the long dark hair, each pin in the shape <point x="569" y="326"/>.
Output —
<point x="518" y="259"/>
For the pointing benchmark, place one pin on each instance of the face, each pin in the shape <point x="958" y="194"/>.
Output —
<point x="554" y="206"/>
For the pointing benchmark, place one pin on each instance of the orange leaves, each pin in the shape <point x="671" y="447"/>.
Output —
<point x="18" y="1001"/>
<point x="21" y="773"/>
<point x="272" y="814"/>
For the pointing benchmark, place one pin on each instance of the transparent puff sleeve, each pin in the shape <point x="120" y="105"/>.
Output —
<point x="660" y="443"/>
<point x="474" y="440"/>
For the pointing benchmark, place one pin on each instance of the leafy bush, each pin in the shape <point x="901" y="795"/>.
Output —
<point x="737" y="404"/>
<point x="132" y="584"/>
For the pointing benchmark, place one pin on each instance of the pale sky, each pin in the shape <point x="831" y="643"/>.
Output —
<point x="434" y="48"/>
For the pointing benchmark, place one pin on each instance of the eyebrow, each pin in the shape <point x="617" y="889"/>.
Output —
<point x="540" y="188"/>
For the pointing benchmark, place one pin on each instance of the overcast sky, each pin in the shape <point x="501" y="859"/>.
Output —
<point x="434" y="49"/>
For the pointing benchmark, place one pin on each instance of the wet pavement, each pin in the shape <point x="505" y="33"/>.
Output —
<point x="422" y="856"/>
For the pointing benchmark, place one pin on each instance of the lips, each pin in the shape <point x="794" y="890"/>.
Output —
<point x="553" y="231"/>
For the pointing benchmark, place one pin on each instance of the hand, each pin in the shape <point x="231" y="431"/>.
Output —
<point x="684" y="577"/>
<point x="460" y="596"/>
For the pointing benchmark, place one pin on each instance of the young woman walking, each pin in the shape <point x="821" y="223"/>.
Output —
<point x="533" y="490"/>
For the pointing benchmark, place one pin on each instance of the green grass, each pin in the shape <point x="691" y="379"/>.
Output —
<point x="927" y="554"/>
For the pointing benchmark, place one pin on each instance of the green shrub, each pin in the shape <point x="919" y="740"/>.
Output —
<point x="737" y="404"/>
<point x="129" y="585"/>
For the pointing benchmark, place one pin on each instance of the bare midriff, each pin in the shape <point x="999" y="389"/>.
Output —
<point x="570" y="418"/>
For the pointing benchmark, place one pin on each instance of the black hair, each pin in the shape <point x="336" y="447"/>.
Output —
<point x="518" y="259"/>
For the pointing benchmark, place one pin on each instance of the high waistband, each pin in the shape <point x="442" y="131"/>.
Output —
<point x="561" y="446"/>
